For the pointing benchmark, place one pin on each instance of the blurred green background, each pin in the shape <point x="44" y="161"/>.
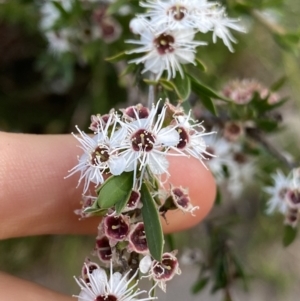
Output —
<point x="42" y="93"/>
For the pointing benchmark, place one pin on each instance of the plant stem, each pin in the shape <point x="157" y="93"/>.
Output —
<point x="151" y="94"/>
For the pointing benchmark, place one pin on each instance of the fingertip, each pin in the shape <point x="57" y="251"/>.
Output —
<point x="190" y="173"/>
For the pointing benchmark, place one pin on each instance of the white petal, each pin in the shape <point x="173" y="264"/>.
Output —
<point x="117" y="165"/>
<point x="145" y="264"/>
<point x="168" y="136"/>
<point x="158" y="163"/>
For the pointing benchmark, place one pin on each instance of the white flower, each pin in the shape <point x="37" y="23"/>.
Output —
<point x="221" y="25"/>
<point x="173" y="14"/>
<point x="219" y="148"/>
<point x="278" y="193"/>
<point x="100" y="155"/>
<point x="116" y="288"/>
<point x="147" y="143"/>
<point x="165" y="50"/>
<point x="191" y="140"/>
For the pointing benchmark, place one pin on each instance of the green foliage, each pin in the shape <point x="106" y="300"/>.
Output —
<point x="153" y="229"/>
<point x="290" y="233"/>
<point x="115" y="191"/>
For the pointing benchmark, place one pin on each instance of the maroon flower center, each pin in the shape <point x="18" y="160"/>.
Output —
<point x="103" y="248"/>
<point x="133" y="199"/>
<point x="294" y="196"/>
<point x="166" y="268"/>
<point x="181" y="198"/>
<point x="240" y="158"/>
<point x="107" y="29"/>
<point x="89" y="267"/>
<point x="116" y="227"/>
<point x="183" y="137"/>
<point x="137" y="111"/>
<point x="100" y="154"/>
<point x="142" y="140"/>
<point x="178" y="12"/>
<point x="233" y="129"/>
<point x="138" y="238"/>
<point x="164" y="43"/>
<point x="282" y="192"/>
<point x="106" y="298"/>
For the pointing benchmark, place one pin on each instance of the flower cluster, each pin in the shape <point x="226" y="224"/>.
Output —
<point x="139" y="140"/>
<point x="285" y="196"/>
<point x="128" y="152"/>
<point x="168" y="29"/>
<point x="242" y="91"/>
<point x="228" y="161"/>
<point x="67" y="37"/>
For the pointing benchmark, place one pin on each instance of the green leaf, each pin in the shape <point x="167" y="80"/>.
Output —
<point x="150" y="82"/>
<point x="130" y="68"/>
<point x="209" y="104"/>
<point x="200" y="285"/>
<point x="218" y="199"/>
<point x="200" y="64"/>
<point x="288" y="41"/>
<point x="289" y="235"/>
<point x="95" y="211"/>
<point x="153" y="229"/>
<point x="117" y="57"/>
<point x="61" y="9"/>
<point x="115" y="7"/>
<point x="267" y="125"/>
<point x="181" y="86"/>
<point x="121" y="204"/>
<point x="278" y="84"/>
<point x="115" y="189"/>
<point x="200" y="89"/>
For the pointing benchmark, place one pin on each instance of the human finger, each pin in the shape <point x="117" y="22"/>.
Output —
<point x="35" y="199"/>
<point x="13" y="289"/>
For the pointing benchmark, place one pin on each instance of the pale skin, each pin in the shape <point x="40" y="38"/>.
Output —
<point x="35" y="199"/>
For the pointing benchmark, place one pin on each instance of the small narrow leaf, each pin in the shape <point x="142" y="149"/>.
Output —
<point x="278" y="84"/>
<point x="121" y="204"/>
<point x="95" y="211"/>
<point x="115" y="189"/>
<point x="200" y="285"/>
<point x="150" y="82"/>
<point x="200" y="65"/>
<point x="153" y="229"/>
<point x="209" y="104"/>
<point x="201" y="90"/>
<point x="116" y="58"/>
<point x="182" y="87"/>
<point x="289" y="235"/>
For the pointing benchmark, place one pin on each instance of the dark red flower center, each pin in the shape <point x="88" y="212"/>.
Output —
<point x="142" y="140"/>
<point x="116" y="227"/>
<point x="183" y="137"/>
<point x="106" y="298"/>
<point x="103" y="248"/>
<point x="178" y="12"/>
<point x="138" y="238"/>
<point x="166" y="268"/>
<point x="164" y="43"/>
<point x="100" y="154"/>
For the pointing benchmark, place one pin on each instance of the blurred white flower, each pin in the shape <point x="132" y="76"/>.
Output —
<point x="277" y="192"/>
